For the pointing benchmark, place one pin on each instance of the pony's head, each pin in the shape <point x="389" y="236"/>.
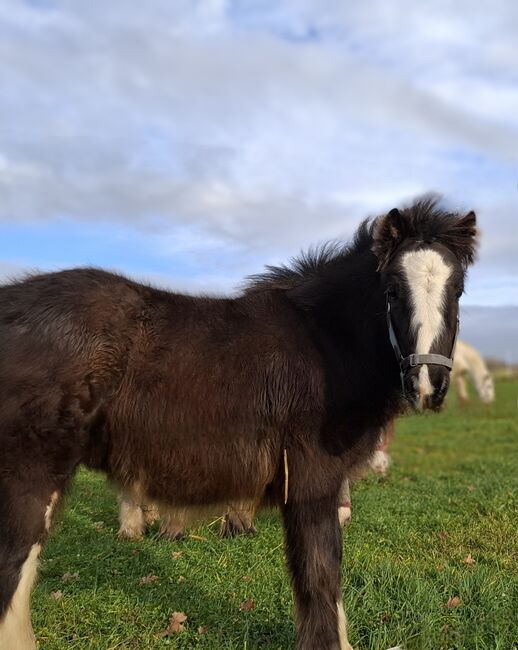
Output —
<point x="486" y="388"/>
<point x="423" y="253"/>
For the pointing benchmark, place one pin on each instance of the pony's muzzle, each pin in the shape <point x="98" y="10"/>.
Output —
<point x="426" y="386"/>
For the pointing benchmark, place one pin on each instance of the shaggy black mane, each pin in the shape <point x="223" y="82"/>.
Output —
<point x="312" y="262"/>
<point x="424" y="221"/>
<point x="427" y="221"/>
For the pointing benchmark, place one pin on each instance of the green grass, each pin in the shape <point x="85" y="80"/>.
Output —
<point x="451" y="491"/>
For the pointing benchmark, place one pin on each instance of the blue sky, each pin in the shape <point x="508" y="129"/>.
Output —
<point x="191" y="143"/>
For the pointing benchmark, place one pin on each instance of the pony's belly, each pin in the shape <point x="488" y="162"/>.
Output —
<point x="197" y="476"/>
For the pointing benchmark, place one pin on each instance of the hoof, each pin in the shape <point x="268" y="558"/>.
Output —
<point x="174" y="534"/>
<point x="130" y="533"/>
<point x="234" y="527"/>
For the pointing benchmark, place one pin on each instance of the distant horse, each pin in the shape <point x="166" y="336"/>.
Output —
<point x="135" y="516"/>
<point x="274" y="395"/>
<point x="469" y="363"/>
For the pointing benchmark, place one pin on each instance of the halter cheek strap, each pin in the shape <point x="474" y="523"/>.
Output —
<point x="413" y="360"/>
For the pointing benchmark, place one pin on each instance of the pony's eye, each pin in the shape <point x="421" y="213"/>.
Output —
<point x="459" y="293"/>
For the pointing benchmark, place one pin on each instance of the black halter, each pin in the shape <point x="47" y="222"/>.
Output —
<point x="413" y="360"/>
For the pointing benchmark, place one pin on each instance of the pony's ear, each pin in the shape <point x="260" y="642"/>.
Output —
<point x="462" y="238"/>
<point x="389" y="231"/>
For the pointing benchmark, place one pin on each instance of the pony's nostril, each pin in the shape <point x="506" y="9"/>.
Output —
<point x="441" y="391"/>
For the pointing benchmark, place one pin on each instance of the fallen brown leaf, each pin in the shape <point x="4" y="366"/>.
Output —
<point x="443" y="534"/>
<point x="181" y="579"/>
<point x="176" y="554"/>
<point x="56" y="595"/>
<point x="471" y="488"/>
<point x="246" y="578"/>
<point x="247" y="606"/>
<point x="176" y="624"/>
<point x="146" y="580"/>
<point x="203" y="629"/>
<point x="69" y="577"/>
<point x="455" y="601"/>
<point x="469" y="560"/>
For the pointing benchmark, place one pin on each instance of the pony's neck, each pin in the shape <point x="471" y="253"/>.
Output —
<point x="351" y="328"/>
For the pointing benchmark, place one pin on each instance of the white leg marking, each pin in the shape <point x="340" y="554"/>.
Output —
<point x="344" y="504"/>
<point x="131" y="517"/>
<point x="342" y="627"/>
<point x="16" y="629"/>
<point x="426" y="273"/>
<point x="344" y="515"/>
<point x="50" y="510"/>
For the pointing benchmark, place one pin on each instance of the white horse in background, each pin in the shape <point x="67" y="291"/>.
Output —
<point x="469" y="363"/>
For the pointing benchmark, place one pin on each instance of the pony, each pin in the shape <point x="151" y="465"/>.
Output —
<point x="272" y="396"/>
<point x="135" y="517"/>
<point x="469" y="363"/>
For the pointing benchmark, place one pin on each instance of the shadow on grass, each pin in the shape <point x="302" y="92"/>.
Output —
<point x="115" y="593"/>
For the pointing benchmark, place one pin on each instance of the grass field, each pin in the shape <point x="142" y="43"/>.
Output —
<point x="451" y="492"/>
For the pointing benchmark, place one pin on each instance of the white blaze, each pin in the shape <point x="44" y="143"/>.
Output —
<point x="426" y="273"/>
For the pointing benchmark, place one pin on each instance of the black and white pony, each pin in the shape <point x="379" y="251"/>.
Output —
<point x="272" y="396"/>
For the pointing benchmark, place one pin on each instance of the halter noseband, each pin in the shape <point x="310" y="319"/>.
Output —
<point x="413" y="360"/>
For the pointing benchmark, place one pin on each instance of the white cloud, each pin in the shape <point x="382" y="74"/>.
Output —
<point x="262" y="126"/>
<point x="492" y="330"/>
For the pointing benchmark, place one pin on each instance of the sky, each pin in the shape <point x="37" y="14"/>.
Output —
<point x="190" y="143"/>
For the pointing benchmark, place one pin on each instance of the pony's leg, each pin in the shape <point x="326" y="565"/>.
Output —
<point x="16" y="582"/>
<point x="314" y="551"/>
<point x="25" y="519"/>
<point x="380" y="462"/>
<point x="387" y="436"/>
<point x="462" y="390"/>
<point x="344" y="504"/>
<point x="131" y="518"/>
<point x="238" y="519"/>
<point x="174" y="523"/>
<point x="151" y="514"/>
